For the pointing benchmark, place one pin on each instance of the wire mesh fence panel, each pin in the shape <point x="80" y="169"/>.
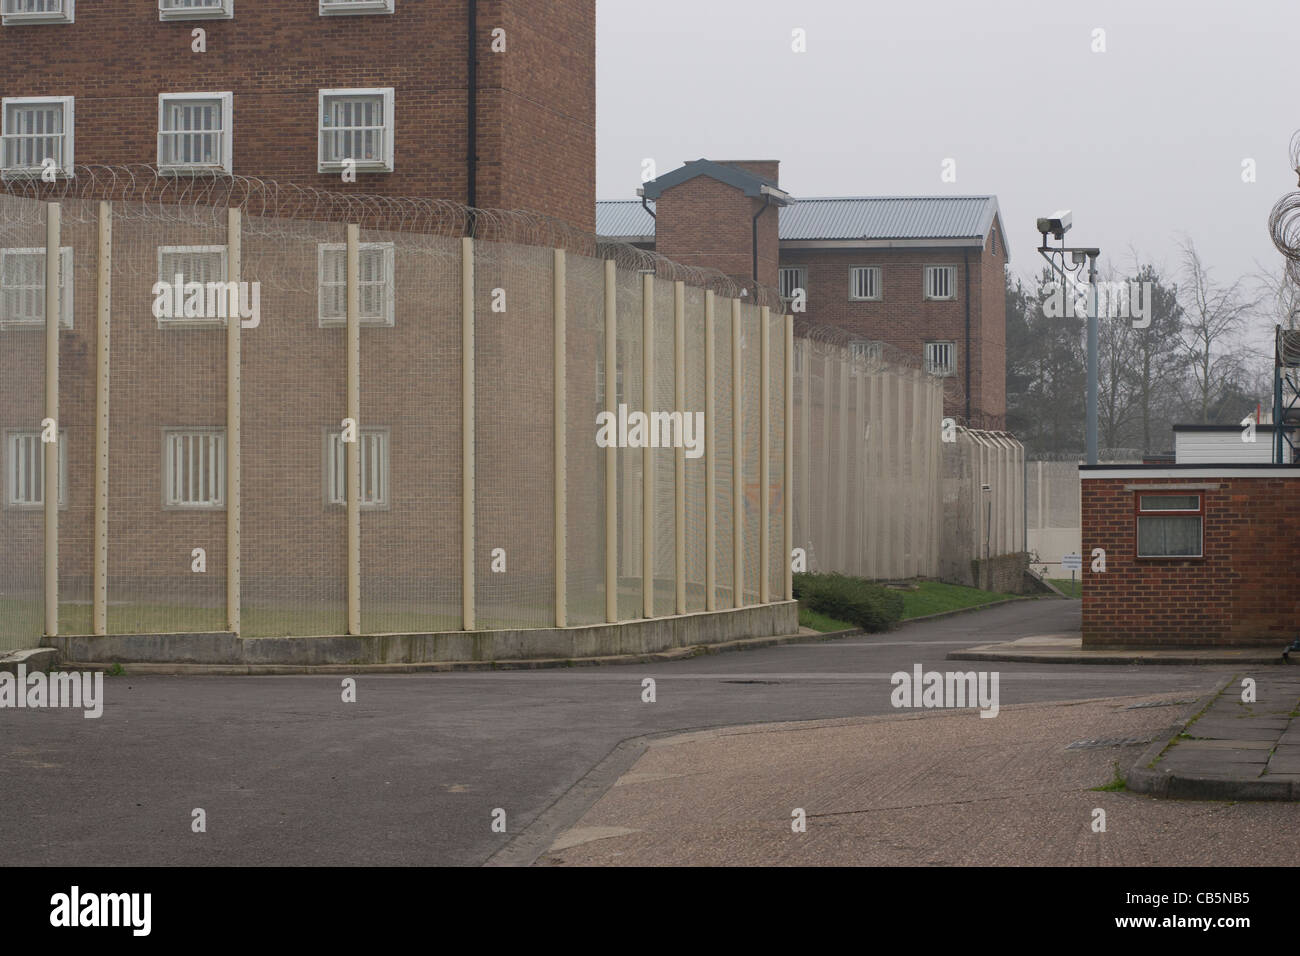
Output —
<point x="77" y="381"/>
<point x="778" y="549"/>
<point x="169" y="501"/>
<point x="585" y="379"/>
<point x="514" y="395"/>
<point x="751" y="358"/>
<point x="410" y="436"/>
<point x="22" y="407"/>
<point x="724" y="454"/>
<point x="798" y="514"/>
<point x="663" y="457"/>
<point x="167" y="454"/>
<point x="696" y="491"/>
<point x="631" y="395"/>
<point x="294" y="401"/>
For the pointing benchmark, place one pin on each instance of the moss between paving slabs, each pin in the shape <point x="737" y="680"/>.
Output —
<point x="1185" y="735"/>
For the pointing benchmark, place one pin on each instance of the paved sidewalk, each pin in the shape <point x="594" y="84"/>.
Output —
<point x="1068" y="649"/>
<point x="921" y="788"/>
<point x="1232" y="749"/>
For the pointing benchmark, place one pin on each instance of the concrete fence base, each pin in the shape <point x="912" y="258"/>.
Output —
<point x="567" y="643"/>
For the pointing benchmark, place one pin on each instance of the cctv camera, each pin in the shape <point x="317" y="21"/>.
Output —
<point x="1058" y="223"/>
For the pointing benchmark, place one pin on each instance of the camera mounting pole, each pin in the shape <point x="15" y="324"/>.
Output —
<point x="1057" y="225"/>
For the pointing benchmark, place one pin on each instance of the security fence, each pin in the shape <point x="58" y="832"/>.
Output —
<point x="867" y="434"/>
<point x="371" y="416"/>
<point x="232" y="406"/>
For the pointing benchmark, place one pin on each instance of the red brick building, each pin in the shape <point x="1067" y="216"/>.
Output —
<point x="289" y="91"/>
<point x="1198" y="554"/>
<point x="923" y="275"/>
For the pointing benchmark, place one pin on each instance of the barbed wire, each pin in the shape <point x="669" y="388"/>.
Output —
<point x="291" y="212"/>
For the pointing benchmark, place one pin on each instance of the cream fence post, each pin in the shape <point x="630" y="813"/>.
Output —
<point x="104" y="297"/>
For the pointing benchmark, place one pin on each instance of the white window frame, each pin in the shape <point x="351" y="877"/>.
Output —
<point x="171" y="501"/>
<point x="212" y="10"/>
<point x="927" y="283"/>
<point x="932" y="367"/>
<point x="65" y="14"/>
<point x="383" y="164"/>
<point x="226" y="101"/>
<point x="67" y="285"/>
<point x="334" y="471"/>
<point x="352" y="8"/>
<point x="182" y="322"/>
<point x="801" y="281"/>
<point x="1141" y="512"/>
<point x="69" y="127"/>
<point x="875" y="282"/>
<point x="31" y="437"/>
<point x="385" y="319"/>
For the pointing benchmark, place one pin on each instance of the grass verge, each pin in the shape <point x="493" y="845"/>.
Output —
<point x="934" y="597"/>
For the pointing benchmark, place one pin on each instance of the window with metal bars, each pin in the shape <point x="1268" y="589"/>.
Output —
<point x="196" y="9"/>
<point x="194" y="132"/>
<point x="864" y="283"/>
<point x="941" y="358"/>
<point x="356" y="126"/>
<point x="17" y="12"/>
<point x="866" y="349"/>
<point x="373" y="444"/>
<point x="22" y="288"/>
<point x="940" y="282"/>
<point x="180" y="265"/>
<point x="194" y="468"/>
<point x="377" y="285"/>
<point x="36" y="133"/>
<point x="24" y="454"/>
<point x="790" y="278"/>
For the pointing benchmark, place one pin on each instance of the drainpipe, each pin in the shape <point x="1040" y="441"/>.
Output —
<point x="965" y="255"/>
<point x="767" y="201"/>
<point x="471" y="139"/>
<point x="646" y="206"/>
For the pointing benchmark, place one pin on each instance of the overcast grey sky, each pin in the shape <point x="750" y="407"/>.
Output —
<point x="1144" y="142"/>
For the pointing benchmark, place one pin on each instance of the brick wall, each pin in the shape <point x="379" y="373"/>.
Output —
<point x="707" y="223"/>
<point x="906" y="320"/>
<point x="1243" y="591"/>
<point x="536" y="100"/>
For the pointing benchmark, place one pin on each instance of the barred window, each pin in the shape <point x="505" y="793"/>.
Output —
<point x="790" y="278"/>
<point x="940" y="282"/>
<point x="194" y="468"/>
<point x="22" y="288"/>
<point x="373" y="444"/>
<point x="864" y="283"/>
<point x="24" y="465"/>
<point x="941" y="358"/>
<point x="377" y="286"/>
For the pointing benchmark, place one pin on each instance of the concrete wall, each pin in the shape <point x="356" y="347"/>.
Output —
<point x="630" y="638"/>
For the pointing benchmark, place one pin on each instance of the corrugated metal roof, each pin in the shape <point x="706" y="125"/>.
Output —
<point x="622" y="218"/>
<point x="843" y="217"/>
<point x="889" y="217"/>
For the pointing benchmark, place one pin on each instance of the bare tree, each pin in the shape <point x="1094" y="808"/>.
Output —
<point x="1215" y="315"/>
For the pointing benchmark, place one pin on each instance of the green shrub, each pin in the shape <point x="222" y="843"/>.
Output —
<point x="869" y="606"/>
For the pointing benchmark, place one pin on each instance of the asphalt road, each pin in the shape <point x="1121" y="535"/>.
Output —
<point x="287" y="773"/>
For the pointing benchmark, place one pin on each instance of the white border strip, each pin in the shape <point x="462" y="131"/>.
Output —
<point x="1185" y="474"/>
